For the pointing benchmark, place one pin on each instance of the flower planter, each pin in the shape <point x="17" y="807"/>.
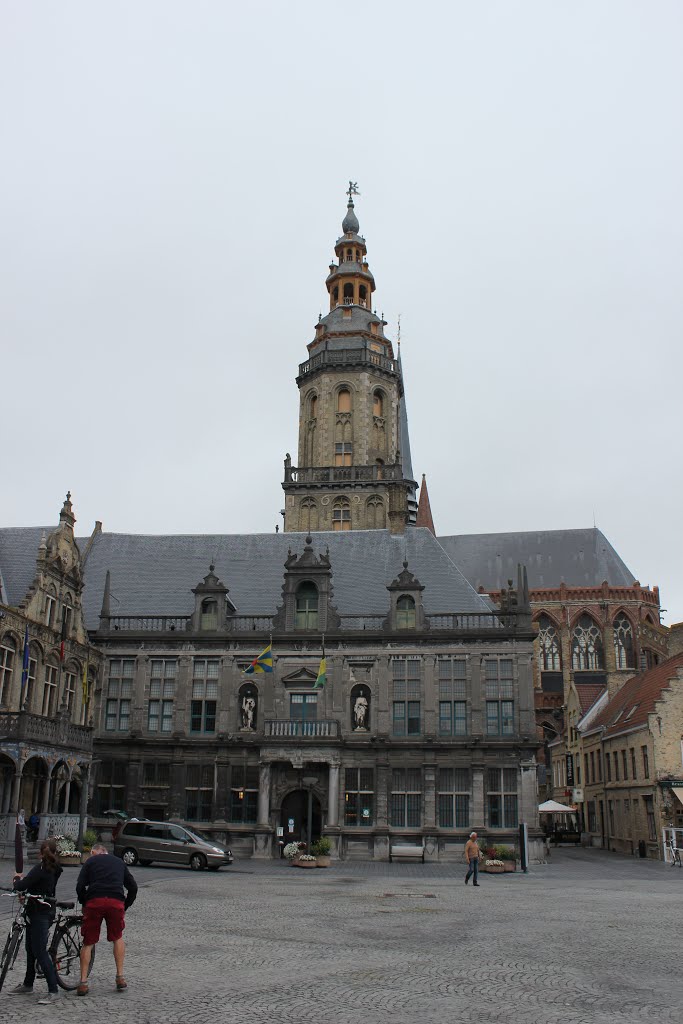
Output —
<point x="70" y="859"/>
<point x="323" y="861"/>
<point x="307" y="864"/>
<point x="293" y="862"/>
<point x="494" y="869"/>
<point x="509" y="865"/>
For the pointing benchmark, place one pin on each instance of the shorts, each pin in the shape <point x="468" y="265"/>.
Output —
<point x="103" y="909"/>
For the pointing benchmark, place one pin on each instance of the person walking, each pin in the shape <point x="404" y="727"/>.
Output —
<point x="40" y="881"/>
<point x="100" y="888"/>
<point x="472" y="855"/>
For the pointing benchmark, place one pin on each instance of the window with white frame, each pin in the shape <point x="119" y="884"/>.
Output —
<point x="453" y="798"/>
<point x="8" y="650"/>
<point x="69" y="687"/>
<point x="406" y="798"/>
<point x="452" y="696"/>
<point x="406" y="693"/>
<point x="119" y="695"/>
<point x="30" y="684"/>
<point x="502" y="798"/>
<point x="48" y="706"/>
<point x="499" y="689"/>
<point x="161" y="695"/>
<point x="204" y="695"/>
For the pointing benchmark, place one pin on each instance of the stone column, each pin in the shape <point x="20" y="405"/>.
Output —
<point x="264" y="793"/>
<point x="67" y="794"/>
<point x="429" y="819"/>
<point x="46" y="796"/>
<point x="83" y="804"/>
<point x="16" y="787"/>
<point x="478" y="817"/>
<point x="333" y="796"/>
<point x="381" y="831"/>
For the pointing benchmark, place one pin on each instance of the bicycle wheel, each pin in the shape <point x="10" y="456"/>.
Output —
<point x="65" y="950"/>
<point x="10" y="952"/>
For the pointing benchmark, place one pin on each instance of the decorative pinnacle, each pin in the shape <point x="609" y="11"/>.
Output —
<point x="352" y="190"/>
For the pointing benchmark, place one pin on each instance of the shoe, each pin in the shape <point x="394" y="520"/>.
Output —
<point x="476" y="883"/>
<point x="21" y="990"/>
<point x="121" y="983"/>
<point x="51" y="997"/>
<point x="83" y="988"/>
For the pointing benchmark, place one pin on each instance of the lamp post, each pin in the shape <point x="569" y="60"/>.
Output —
<point x="309" y="781"/>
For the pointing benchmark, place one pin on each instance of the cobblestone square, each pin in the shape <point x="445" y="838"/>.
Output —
<point x="589" y="938"/>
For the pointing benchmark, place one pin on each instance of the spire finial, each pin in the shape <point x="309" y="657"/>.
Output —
<point x="352" y="190"/>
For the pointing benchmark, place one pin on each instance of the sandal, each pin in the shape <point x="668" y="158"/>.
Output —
<point x="121" y="983"/>
<point x="83" y="988"/>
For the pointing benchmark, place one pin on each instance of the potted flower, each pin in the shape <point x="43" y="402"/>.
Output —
<point x="307" y="860"/>
<point x="507" y="855"/>
<point x="321" y="849"/>
<point x="494" y="866"/>
<point x="66" y="851"/>
<point x="291" y="852"/>
<point x="89" y="840"/>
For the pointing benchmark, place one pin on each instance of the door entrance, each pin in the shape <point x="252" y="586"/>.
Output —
<point x="294" y="817"/>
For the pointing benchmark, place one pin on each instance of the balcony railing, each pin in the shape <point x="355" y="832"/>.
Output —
<point x="342" y="474"/>
<point x="59" y="731"/>
<point x="294" y="727"/>
<point x="348" y="357"/>
<point x="148" y="623"/>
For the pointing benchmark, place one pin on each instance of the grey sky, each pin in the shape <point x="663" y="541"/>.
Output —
<point x="171" y="186"/>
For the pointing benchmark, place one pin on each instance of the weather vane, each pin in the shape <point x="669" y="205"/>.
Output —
<point x="352" y="190"/>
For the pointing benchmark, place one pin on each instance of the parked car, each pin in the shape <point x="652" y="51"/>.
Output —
<point x="166" y="843"/>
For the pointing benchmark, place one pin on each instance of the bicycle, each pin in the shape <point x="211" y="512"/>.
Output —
<point x="64" y="946"/>
<point x="675" y="853"/>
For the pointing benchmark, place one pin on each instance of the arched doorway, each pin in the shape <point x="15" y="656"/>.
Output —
<point x="294" y="817"/>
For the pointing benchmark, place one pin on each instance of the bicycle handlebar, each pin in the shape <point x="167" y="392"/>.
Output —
<point x="28" y="895"/>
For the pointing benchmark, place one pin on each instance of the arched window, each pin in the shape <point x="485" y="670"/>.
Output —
<point x="623" y="642"/>
<point x="587" y="652"/>
<point x="307" y="606"/>
<point x="8" y="650"/>
<point x="377" y="404"/>
<point x="405" y="612"/>
<point x="648" y="659"/>
<point x="209" y="614"/>
<point x="313" y="407"/>
<point x="344" y="400"/>
<point x="549" y="656"/>
<point x="49" y="702"/>
<point x="335" y="296"/>
<point x="341" y="514"/>
<point x="309" y="515"/>
<point x="375" y="513"/>
<point x="349" y="255"/>
<point x="50" y="606"/>
<point x="362" y="295"/>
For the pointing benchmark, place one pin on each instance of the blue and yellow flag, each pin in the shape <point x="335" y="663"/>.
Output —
<point x="322" y="674"/>
<point x="263" y="663"/>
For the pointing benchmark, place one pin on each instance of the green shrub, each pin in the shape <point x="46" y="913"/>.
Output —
<point x="89" y="838"/>
<point x="505" y="853"/>
<point x="322" y="847"/>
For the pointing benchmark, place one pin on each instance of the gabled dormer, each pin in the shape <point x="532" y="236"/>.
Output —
<point x="307" y="593"/>
<point x="212" y="606"/>
<point x="406" y="611"/>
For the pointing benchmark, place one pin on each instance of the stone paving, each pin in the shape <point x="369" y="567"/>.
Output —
<point x="590" y="938"/>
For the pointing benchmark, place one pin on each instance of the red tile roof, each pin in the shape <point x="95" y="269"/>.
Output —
<point x="636" y="699"/>
<point x="588" y="694"/>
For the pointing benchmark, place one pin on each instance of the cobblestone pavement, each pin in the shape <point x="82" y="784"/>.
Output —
<point x="589" y="939"/>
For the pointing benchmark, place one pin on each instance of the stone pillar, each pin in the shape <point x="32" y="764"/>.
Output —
<point x="67" y="794"/>
<point x="528" y="810"/>
<point x="264" y="794"/>
<point x="83" y="804"/>
<point x="478" y="817"/>
<point x="333" y="796"/>
<point x="381" y="796"/>
<point x="16" y="787"/>
<point x="429" y="819"/>
<point x="46" y="795"/>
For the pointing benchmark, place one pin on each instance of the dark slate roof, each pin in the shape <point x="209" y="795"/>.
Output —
<point x="636" y="700"/>
<point x="579" y="558"/>
<point x="155" y="574"/>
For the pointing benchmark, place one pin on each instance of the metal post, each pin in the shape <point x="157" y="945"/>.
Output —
<point x="310" y="817"/>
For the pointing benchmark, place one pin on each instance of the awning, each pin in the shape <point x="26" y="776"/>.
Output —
<point x="552" y="807"/>
<point x="678" y="790"/>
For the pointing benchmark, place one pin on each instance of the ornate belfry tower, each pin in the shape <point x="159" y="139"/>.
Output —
<point x="353" y="469"/>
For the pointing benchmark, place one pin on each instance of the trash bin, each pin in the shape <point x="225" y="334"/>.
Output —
<point x="642" y="849"/>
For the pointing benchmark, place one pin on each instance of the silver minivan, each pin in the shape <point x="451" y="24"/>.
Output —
<point x="162" y="841"/>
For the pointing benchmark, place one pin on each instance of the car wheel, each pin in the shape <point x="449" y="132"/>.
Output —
<point x="129" y="857"/>
<point x="197" y="861"/>
<point x="145" y="863"/>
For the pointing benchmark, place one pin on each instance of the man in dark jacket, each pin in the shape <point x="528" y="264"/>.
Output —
<point x="100" y="888"/>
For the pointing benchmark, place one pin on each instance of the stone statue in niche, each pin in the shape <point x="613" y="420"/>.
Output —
<point x="360" y="713"/>
<point x="248" y="711"/>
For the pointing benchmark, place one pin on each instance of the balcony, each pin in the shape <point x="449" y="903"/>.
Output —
<point x="294" y="728"/>
<point x="348" y="357"/>
<point x="325" y="475"/>
<point x="56" y="732"/>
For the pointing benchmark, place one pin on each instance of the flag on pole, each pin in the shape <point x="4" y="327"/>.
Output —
<point x="62" y="640"/>
<point x="262" y="663"/>
<point x="322" y="671"/>
<point x="24" y="670"/>
<point x="86" y="694"/>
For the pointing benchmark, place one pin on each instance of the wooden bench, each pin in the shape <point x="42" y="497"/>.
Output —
<point x="407" y="851"/>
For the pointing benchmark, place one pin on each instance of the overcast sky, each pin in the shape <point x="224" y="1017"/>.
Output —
<point x="171" y="186"/>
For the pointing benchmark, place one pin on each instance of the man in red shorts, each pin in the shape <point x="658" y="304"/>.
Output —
<point x="100" y="888"/>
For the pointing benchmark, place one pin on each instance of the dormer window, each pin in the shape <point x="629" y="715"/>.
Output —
<point x="307" y="606"/>
<point x="405" y="612"/>
<point x="209" y="614"/>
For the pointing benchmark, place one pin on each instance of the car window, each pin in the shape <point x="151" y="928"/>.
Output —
<point x="154" y="831"/>
<point x="133" y="828"/>
<point x="178" y="833"/>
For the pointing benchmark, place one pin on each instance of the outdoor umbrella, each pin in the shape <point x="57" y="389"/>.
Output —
<point x="552" y="807"/>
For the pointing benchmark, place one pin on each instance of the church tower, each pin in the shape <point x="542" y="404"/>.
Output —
<point x="353" y="467"/>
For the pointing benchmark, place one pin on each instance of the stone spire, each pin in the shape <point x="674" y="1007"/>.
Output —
<point x="424" y="512"/>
